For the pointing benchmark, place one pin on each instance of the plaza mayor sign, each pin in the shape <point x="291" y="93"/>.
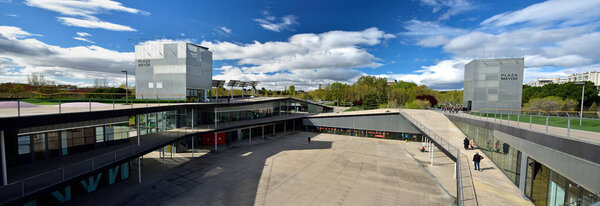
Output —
<point x="509" y="76"/>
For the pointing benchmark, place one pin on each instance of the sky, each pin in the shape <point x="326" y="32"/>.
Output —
<point x="303" y="43"/>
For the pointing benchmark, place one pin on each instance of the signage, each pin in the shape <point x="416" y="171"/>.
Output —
<point x="509" y="76"/>
<point x="143" y="62"/>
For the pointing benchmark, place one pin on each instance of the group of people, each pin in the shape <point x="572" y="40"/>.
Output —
<point x="450" y="108"/>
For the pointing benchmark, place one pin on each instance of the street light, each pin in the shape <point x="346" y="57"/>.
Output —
<point x="126" y="86"/>
<point x="582" y="92"/>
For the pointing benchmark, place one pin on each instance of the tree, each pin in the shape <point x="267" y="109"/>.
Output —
<point x="551" y="103"/>
<point x="593" y="107"/>
<point x="418" y="104"/>
<point x="370" y="101"/>
<point x="567" y="90"/>
<point x="36" y="79"/>
<point x="292" y="90"/>
<point x="431" y="99"/>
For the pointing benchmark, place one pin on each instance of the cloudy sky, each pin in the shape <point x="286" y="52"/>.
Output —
<point x="304" y="43"/>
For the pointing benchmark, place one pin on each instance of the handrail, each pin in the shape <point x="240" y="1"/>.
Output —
<point x="448" y="147"/>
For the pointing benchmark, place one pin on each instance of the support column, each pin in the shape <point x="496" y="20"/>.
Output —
<point x="293" y="125"/>
<point x="432" y="148"/>
<point x="193" y="137"/>
<point x="3" y="154"/>
<point x="273" y="130"/>
<point x="263" y="131"/>
<point x="250" y="134"/>
<point x="140" y="170"/>
<point x="284" y="127"/>
<point x="523" y="172"/>
<point x="172" y="147"/>
<point x="215" y="141"/>
<point x="137" y="123"/>
<point x="163" y="155"/>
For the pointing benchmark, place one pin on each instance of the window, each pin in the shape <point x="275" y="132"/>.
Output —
<point x="23" y="142"/>
<point x="158" y="85"/>
<point x="99" y="134"/>
<point x="150" y="85"/>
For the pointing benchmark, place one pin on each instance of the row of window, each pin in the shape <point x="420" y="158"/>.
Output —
<point x="41" y="146"/>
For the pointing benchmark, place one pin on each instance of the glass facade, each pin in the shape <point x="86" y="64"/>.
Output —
<point x="543" y="186"/>
<point x="367" y="133"/>
<point x="52" y="144"/>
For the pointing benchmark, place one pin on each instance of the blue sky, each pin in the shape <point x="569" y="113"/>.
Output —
<point x="302" y="43"/>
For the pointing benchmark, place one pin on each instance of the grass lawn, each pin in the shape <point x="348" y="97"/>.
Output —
<point x="586" y="124"/>
<point x="354" y="109"/>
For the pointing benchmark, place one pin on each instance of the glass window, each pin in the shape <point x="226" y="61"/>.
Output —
<point x="53" y="144"/>
<point x="24" y="142"/>
<point x="99" y="134"/>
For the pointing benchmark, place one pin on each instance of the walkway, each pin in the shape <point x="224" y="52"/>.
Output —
<point x="581" y="135"/>
<point x="491" y="185"/>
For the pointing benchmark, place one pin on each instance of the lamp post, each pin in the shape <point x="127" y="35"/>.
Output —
<point x="582" y="95"/>
<point x="126" y="86"/>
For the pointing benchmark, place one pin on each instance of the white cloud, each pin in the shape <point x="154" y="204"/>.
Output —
<point x="11" y="15"/>
<point x="566" y="12"/>
<point x="82" y="34"/>
<point x="269" y="23"/>
<point x="223" y="31"/>
<point x="433" y="41"/>
<point x="83" y="39"/>
<point x="447" y="74"/>
<point x="93" y="24"/>
<point x="82" y="12"/>
<point x="305" y="60"/>
<point x="55" y="62"/>
<point x="453" y="7"/>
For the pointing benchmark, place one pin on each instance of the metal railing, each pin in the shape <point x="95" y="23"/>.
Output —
<point x="30" y="185"/>
<point x="454" y="151"/>
<point x="526" y="118"/>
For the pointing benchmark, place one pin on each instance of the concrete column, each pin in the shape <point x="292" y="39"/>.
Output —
<point x="192" y="120"/>
<point x="432" y="148"/>
<point x="523" y="172"/>
<point x="284" y="127"/>
<point x="273" y="130"/>
<point x="455" y="170"/>
<point x="140" y="170"/>
<point x="250" y="134"/>
<point x="215" y="141"/>
<point x="3" y="154"/>
<point x="137" y="124"/>
<point x="263" y="131"/>
<point x="172" y="148"/>
<point x="293" y="125"/>
<point x="163" y="155"/>
<point x="193" y="137"/>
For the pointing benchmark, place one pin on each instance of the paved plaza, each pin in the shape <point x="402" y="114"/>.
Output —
<point x="287" y="170"/>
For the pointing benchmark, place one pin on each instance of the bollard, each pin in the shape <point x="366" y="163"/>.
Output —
<point x="518" y="119"/>
<point x="90" y="103"/>
<point x="568" y="127"/>
<point x="530" y="118"/>
<point x="546" y="124"/>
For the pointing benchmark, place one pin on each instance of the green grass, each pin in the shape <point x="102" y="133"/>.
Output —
<point x="354" y="109"/>
<point x="586" y="124"/>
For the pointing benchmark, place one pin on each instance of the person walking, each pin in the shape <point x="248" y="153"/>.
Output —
<point x="466" y="143"/>
<point x="476" y="159"/>
<point x="308" y="140"/>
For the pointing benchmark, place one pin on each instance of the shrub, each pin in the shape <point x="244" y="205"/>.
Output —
<point x="551" y="103"/>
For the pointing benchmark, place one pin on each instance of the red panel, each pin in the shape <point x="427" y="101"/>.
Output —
<point x="209" y="139"/>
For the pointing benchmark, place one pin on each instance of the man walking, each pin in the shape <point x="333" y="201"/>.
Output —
<point x="476" y="159"/>
<point x="466" y="143"/>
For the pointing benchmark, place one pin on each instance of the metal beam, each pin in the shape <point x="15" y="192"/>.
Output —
<point x="3" y="153"/>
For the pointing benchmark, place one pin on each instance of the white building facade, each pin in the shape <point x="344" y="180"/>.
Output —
<point x="542" y="82"/>
<point x="172" y="71"/>
<point x="593" y="76"/>
<point x="494" y="85"/>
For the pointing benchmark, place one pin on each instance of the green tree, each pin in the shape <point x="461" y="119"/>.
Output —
<point x="551" y="103"/>
<point x="593" y="107"/>
<point x="292" y="90"/>
<point x="370" y="101"/>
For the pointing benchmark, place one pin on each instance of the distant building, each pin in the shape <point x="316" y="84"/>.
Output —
<point x="175" y="71"/>
<point x="542" y="82"/>
<point x="593" y="76"/>
<point x="493" y="85"/>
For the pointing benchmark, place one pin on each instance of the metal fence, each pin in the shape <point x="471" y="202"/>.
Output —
<point x="452" y="150"/>
<point x="561" y="119"/>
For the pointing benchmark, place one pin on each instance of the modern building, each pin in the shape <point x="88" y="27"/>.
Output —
<point x="593" y="76"/>
<point x="540" y="82"/>
<point x="493" y="84"/>
<point x="173" y="71"/>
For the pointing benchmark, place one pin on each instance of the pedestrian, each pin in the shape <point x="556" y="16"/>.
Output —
<point x="422" y="147"/>
<point x="472" y="143"/>
<point x="466" y="143"/>
<point x="476" y="159"/>
<point x="308" y="140"/>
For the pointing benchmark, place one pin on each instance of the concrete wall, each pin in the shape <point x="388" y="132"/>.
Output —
<point x="382" y="122"/>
